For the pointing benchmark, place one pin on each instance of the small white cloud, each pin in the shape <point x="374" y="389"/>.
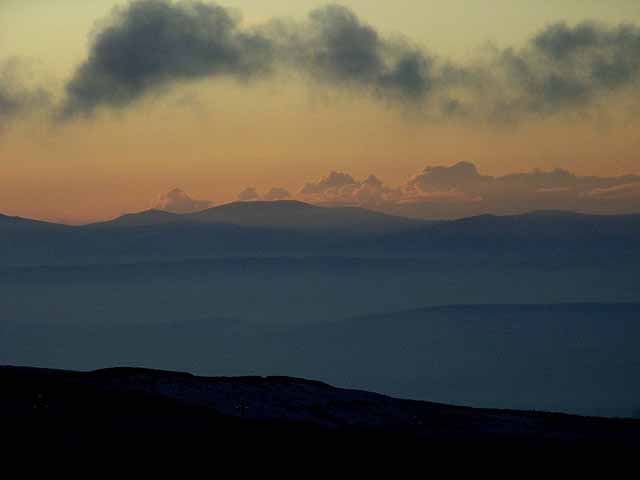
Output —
<point x="460" y="176"/>
<point x="339" y="188"/>
<point x="277" y="193"/>
<point x="248" y="194"/>
<point x="177" y="201"/>
<point x="335" y="180"/>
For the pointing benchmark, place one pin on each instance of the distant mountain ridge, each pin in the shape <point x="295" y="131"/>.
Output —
<point x="283" y="228"/>
<point x="540" y="229"/>
<point x="288" y="214"/>
<point x="146" y="218"/>
<point x="294" y="214"/>
<point x="14" y="222"/>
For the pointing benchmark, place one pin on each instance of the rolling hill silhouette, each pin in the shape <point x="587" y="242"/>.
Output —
<point x="299" y="216"/>
<point x="294" y="228"/>
<point x="142" y="219"/>
<point x="544" y="230"/>
<point x="286" y="214"/>
<point x="123" y="408"/>
<point x="8" y="224"/>
<point x="574" y="358"/>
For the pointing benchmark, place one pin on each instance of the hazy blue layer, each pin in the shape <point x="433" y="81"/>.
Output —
<point x="287" y="316"/>
<point x="294" y="291"/>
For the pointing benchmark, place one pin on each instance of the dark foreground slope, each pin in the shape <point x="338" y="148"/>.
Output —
<point x="137" y="408"/>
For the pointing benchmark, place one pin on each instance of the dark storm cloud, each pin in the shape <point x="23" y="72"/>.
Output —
<point x="153" y="43"/>
<point x="559" y="69"/>
<point x="8" y="103"/>
<point x="564" y="67"/>
<point x="335" y="46"/>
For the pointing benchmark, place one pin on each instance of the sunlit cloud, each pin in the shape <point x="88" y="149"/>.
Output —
<point x="460" y="190"/>
<point x="177" y="201"/>
<point x="249" y="194"/>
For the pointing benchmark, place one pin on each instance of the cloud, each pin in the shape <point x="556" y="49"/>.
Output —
<point x="464" y="177"/>
<point x="335" y="46"/>
<point x="251" y="194"/>
<point x="522" y="192"/>
<point x="248" y="194"/>
<point x="563" y="67"/>
<point x="372" y="191"/>
<point x="277" y="193"/>
<point x="443" y="179"/>
<point x="16" y="97"/>
<point x="335" y="180"/>
<point x="151" y="44"/>
<point x="433" y="184"/>
<point x="340" y="188"/>
<point x="625" y="191"/>
<point x="177" y="201"/>
<point x="460" y="190"/>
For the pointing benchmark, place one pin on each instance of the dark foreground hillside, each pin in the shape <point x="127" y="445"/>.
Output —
<point x="140" y="409"/>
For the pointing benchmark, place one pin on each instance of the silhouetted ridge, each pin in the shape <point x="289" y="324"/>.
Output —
<point x="145" y="218"/>
<point x="148" y="407"/>
<point x="286" y="228"/>
<point x="136" y="372"/>
<point x="121" y="372"/>
<point x="19" y="222"/>
<point x="560" y="214"/>
<point x="549" y="231"/>
<point x="297" y="215"/>
<point x="275" y="204"/>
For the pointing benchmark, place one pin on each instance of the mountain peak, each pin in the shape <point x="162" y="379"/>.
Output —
<point x="271" y="204"/>
<point x="296" y="215"/>
<point x="144" y="218"/>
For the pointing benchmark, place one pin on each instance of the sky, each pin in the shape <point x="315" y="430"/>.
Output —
<point x="102" y="111"/>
